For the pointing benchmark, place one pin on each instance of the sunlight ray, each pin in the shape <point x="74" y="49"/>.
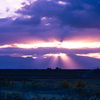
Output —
<point x="69" y="63"/>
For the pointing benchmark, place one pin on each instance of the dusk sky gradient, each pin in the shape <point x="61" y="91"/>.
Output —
<point x="37" y="34"/>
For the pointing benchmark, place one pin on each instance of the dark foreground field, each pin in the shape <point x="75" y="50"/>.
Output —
<point x="29" y="74"/>
<point x="58" y="84"/>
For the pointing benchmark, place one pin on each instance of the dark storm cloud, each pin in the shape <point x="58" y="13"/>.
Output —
<point x="28" y="21"/>
<point x="81" y="14"/>
<point x="42" y="9"/>
<point x="76" y="13"/>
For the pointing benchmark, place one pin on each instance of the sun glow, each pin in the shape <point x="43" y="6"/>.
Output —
<point x="69" y="63"/>
<point x="55" y="59"/>
<point x="63" y="58"/>
<point x="55" y="55"/>
<point x="68" y="45"/>
<point x="29" y="46"/>
<point x="72" y="45"/>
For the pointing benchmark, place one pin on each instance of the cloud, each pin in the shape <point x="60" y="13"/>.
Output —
<point x="7" y="9"/>
<point x="42" y="51"/>
<point x="76" y="13"/>
<point x="41" y="8"/>
<point x="81" y="14"/>
<point x="27" y="21"/>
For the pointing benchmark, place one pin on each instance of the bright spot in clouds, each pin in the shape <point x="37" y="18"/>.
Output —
<point x="8" y="7"/>
<point x="47" y="24"/>
<point x="25" y="56"/>
<point x="61" y="2"/>
<point x="68" y="45"/>
<point x="55" y="55"/>
<point x="43" y="18"/>
<point x="5" y="46"/>
<point x="65" y="59"/>
<point x="29" y="46"/>
<point x="93" y="55"/>
<point x="12" y="5"/>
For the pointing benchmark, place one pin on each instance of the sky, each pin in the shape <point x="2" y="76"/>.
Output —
<point x="40" y="34"/>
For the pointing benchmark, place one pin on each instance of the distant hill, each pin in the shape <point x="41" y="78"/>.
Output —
<point x="7" y="62"/>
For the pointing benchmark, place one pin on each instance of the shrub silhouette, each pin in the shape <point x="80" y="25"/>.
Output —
<point x="90" y="85"/>
<point x="8" y="80"/>
<point x="0" y="84"/>
<point x="2" y="77"/>
<point x="33" y="82"/>
<point x="80" y="83"/>
<point x="23" y="83"/>
<point x="64" y="84"/>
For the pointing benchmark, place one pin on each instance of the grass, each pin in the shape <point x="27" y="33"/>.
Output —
<point x="50" y="89"/>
